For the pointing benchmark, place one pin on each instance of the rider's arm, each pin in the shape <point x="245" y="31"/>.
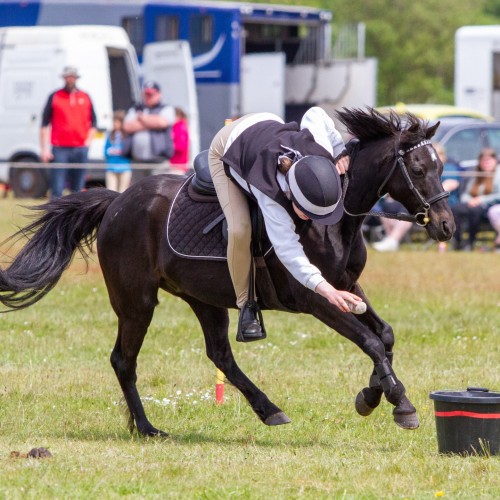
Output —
<point x="323" y="130"/>
<point x="281" y="231"/>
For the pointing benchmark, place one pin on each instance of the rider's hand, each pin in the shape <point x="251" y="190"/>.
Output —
<point x="343" y="165"/>
<point x="336" y="297"/>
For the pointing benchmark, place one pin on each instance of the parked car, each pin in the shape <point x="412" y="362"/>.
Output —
<point x="464" y="140"/>
<point x="434" y="112"/>
<point x="462" y="132"/>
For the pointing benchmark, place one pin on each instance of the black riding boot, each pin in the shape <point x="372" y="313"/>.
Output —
<point x="249" y="327"/>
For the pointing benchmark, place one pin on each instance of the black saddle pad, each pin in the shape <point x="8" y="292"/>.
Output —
<point x="190" y="228"/>
<point x="186" y="222"/>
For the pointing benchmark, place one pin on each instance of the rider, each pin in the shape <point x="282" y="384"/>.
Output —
<point x="290" y="171"/>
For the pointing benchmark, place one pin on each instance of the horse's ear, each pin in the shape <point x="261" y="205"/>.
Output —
<point x="431" y="130"/>
<point x="414" y="127"/>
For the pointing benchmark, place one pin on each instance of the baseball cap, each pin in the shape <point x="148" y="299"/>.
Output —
<point x="150" y="86"/>
<point x="70" y="71"/>
<point x="316" y="189"/>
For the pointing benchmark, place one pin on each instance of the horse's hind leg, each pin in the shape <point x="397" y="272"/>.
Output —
<point x="131" y="333"/>
<point x="369" y="397"/>
<point x="215" y="322"/>
<point x="134" y="302"/>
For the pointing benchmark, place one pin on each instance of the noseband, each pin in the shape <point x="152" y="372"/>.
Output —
<point x="421" y="218"/>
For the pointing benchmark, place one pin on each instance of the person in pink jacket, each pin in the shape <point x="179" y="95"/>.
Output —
<point x="180" y="133"/>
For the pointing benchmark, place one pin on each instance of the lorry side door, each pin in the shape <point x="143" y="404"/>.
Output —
<point x="263" y="83"/>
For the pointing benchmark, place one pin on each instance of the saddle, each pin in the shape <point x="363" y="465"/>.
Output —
<point x="202" y="189"/>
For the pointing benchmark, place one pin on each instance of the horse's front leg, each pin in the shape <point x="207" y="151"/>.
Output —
<point x="383" y="379"/>
<point x="215" y="323"/>
<point x="369" y="397"/>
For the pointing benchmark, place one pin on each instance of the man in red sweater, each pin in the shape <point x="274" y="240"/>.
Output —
<point x="70" y="116"/>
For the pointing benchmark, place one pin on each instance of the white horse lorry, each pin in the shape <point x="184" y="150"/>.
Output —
<point x="31" y="64"/>
<point x="477" y="69"/>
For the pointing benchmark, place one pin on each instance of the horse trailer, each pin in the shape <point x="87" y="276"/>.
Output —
<point x="477" y="69"/>
<point x="246" y="56"/>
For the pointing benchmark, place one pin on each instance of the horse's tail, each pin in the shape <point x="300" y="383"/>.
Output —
<point x="65" y="225"/>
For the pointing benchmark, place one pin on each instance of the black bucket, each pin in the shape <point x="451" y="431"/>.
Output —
<point x="467" y="422"/>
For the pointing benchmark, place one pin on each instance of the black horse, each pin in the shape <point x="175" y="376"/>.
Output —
<point x="393" y="156"/>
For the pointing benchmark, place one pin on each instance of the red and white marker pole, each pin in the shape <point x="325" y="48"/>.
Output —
<point x="219" y="388"/>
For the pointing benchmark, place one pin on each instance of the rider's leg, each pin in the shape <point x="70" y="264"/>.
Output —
<point x="234" y="203"/>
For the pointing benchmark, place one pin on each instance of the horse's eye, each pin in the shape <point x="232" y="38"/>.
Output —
<point x="417" y="171"/>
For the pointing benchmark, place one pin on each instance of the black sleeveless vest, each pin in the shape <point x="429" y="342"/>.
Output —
<point x="255" y="152"/>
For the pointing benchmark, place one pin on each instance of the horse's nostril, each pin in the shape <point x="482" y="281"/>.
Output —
<point x="447" y="228"/>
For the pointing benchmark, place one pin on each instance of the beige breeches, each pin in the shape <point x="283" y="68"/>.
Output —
<point x="234" y="203"/>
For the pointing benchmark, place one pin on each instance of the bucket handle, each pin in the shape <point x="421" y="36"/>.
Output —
<point x="477" y="389"/>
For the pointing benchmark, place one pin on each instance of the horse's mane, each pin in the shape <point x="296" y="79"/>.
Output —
<point x="369" y="124"/>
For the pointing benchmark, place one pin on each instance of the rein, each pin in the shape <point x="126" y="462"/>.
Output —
<point x="420" y="218"/>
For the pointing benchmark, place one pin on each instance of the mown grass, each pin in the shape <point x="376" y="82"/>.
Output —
<point x="57" y="390"/>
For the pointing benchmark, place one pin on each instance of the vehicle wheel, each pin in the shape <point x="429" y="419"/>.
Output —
<point x="28" y="182"/>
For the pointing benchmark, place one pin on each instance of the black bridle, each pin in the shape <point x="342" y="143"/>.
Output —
<point x="420" y="218"/>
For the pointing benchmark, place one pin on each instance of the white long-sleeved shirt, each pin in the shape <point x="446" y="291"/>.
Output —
<point x="279" y="225"/>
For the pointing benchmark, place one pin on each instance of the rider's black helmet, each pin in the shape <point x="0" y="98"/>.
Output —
<point x="316" y="189"/>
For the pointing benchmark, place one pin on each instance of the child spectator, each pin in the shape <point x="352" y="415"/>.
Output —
<point x="180" y="134"/>
<point x="118" y="170"/>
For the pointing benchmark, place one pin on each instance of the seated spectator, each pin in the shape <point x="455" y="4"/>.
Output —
<point x="180" y="135"/>
<point x="494" y="218"/>
<point x="482" y="191"/>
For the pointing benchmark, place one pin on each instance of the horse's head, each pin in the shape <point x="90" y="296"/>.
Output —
<point x="397" y="157"/>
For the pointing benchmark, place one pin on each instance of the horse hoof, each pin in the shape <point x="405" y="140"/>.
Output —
<point x="407" y="421"/>
<point x="155" y="433"/>
<point x="362" y="406"/>
<point x="277" y="419"/>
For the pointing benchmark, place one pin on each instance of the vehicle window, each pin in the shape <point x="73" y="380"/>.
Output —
<point x="167" y="28"/>
<point x="493" y="137"/>
<point x="464" y="145"/>
<point x="201" y="33"/>
<point x="133" y="27"/>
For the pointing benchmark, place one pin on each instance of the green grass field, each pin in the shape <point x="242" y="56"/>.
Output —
<point x="58" y="390"/>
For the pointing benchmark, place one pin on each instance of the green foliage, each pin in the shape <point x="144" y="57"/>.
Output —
<point x="492" y="8"/>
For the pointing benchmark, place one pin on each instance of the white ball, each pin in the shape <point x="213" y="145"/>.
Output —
<point x="358" y="308"/>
